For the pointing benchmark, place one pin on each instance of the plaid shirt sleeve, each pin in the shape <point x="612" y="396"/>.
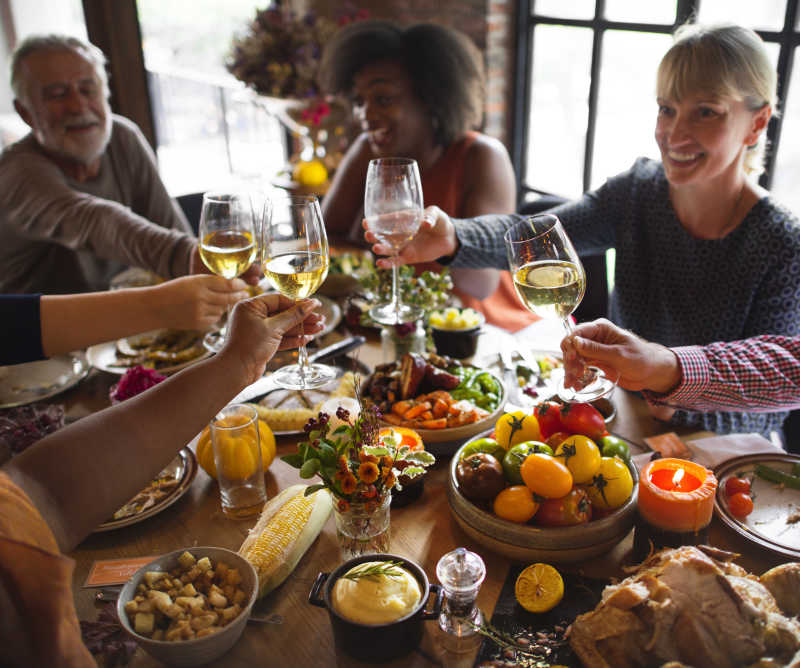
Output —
<point x="481" y="242"/>
<point x="758" y="374"/>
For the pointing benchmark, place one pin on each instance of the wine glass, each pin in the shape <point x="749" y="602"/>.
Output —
<point x="295" y="259"/>
<point x="550" y="281"/>
<point x="227" y="242"/>
<point x="393" y="210"/>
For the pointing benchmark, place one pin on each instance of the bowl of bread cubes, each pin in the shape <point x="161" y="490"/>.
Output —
<point x="190" y="606"/>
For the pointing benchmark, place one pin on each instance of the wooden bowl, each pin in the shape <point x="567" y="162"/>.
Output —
<point x="526" y="542"/>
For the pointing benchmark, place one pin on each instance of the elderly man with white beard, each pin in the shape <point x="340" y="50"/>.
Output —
<point x="80" y="195"/>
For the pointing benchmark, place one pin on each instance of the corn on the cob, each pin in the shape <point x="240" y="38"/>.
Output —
<point x="288" y="525"/>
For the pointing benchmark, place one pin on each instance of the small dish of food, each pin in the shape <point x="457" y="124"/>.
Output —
<point x="165" y="350"/>
<point x="455" y="331"/>
<point x="190" y="606"/>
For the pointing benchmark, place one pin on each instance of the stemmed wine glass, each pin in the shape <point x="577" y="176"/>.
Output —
<point x="295" y="259"/>
<point x="227" y="242"/>
<point x="550" y="281"/>
<point x="393" y="210"/>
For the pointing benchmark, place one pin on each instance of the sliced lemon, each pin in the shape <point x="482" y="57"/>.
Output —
<point x="539" y="588"/>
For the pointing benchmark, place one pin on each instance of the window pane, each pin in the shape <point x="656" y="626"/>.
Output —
<point x="559" y="111"/>
<point x="636" y="11"/>
<point x="761" y="15"/>
<point x="626" y="110"/>
<point x="209" y="131"/>
<point x="787" y="160"/>
<point x="564" y="9"/>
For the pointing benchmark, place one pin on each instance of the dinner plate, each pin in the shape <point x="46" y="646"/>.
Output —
<point x="22" y="384"/>
<point x="773" y="505"/>
<point x="182" y="469"/>
<point x="103" y="356"/>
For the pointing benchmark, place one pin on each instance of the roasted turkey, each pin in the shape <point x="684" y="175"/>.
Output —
<point x="693" y="607"/>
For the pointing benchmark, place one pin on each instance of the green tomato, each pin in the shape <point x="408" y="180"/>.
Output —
<point x="611" y="446"/>
<point x="517" y="454"/>
<point x="487" y="445"/>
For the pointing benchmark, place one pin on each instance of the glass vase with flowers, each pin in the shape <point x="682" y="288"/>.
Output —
<point x="356" y="463"/>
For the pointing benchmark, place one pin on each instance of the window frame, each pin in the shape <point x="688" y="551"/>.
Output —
<point x="788" y="38"/>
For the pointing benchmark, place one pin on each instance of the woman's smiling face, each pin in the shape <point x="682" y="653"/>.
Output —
<point x="701" y="137"/>
<point x="385" y="104"/>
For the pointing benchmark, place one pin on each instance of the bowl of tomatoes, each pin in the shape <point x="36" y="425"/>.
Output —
<point x="548" y="485"/>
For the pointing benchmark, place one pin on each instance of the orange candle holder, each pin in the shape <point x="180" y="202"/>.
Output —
<point x="675" y="504"/>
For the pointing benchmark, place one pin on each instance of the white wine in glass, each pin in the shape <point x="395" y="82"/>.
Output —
<point x="393" y="211"/>
<point x="550" y="281"/>
<point x="295" y="260"/>
<point x="227" y="242"/>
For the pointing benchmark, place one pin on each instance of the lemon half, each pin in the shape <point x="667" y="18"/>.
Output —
<point x="539" y="588"/>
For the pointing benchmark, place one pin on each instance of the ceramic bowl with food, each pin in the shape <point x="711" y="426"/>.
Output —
<point x="206" y="648"/>
<point x="375" y="640"/>
<point x="455" y="332"/>
<point x="529" y="542"/>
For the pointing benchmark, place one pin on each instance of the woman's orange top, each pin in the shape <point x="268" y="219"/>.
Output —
<point x="443" y="186"/>
<point x="39" y="613"/>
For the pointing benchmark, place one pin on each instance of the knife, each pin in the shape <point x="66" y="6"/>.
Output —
<point x="266" y="384"/>
<point x="509" y="376"/>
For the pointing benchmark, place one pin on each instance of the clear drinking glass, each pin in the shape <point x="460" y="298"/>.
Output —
<point x="227" y="242"/>
<point x="393" y="210"/>
<point x="237" y="456"/>
<point x="550" y="281"/>
<point x="295" y="259"/>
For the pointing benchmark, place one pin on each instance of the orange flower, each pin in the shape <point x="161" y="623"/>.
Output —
<point x="349" y="484"/>
<point x="364" y="457"/>
<point x="389" y="481"/>
<point x="343" y="505"/>
<point x="387" y="461"/>
<point x="368" y="472"/>
<point x="340" y="475"/>
<point x="342" y="463"/>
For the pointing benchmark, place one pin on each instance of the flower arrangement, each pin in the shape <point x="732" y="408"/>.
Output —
<point x="354" y="462"/>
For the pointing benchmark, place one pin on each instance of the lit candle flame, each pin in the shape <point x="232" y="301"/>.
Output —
<point x="676" y="479"/>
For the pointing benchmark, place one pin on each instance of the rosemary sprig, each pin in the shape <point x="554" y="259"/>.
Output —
<point x="391" y="569"/>
<point x="507" y="642"/>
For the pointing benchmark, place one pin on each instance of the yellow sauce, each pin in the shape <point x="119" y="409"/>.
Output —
<point x="377" y="599"/>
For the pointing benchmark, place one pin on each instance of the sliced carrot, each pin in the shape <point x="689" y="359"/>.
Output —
<point x="440" y="423"/>
<point x="416" y="410"/>
<point x="439" y="408"/>
<point x="427" y="415"/>
<point x="444" y="395"/>
<point x="391" y="418"/>
<point x="401" y="407"/>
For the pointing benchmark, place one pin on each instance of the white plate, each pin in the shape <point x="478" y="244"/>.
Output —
<point x="22" y="384"/>
<point x="103" y="356"/>
<point x="773" y="504"/>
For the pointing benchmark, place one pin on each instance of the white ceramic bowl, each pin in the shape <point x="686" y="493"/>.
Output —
<point x="201" y="650"/>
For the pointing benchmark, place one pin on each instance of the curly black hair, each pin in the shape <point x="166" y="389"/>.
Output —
<point x="445" y="68"/>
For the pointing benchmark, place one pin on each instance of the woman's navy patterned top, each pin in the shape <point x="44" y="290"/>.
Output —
<point x="669" y="286"/>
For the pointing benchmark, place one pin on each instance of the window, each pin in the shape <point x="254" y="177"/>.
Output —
<point x="210" y="132"/>
<point x="589" y="87"/>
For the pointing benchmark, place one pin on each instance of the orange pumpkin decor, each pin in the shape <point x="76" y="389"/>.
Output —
<point x="676" y="495"/>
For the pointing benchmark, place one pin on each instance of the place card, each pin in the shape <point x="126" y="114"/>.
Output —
<point x="107" y="572"/>
<point x="669" y="445"/>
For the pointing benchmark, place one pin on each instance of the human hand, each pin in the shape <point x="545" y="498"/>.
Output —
<point x="265" y="324"/>
<point x="639" y="364"/>
<point x="435" y="237"/>
<point x="194" y="302"/>
<point x="196" y="266"/>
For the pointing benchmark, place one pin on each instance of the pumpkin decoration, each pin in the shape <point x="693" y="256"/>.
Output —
<point x="205" y="450"/>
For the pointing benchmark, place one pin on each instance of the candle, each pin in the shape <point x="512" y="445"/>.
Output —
<point x="676" y="495"/>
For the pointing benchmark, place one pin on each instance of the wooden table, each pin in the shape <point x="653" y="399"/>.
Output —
<point x="423" y="531"/>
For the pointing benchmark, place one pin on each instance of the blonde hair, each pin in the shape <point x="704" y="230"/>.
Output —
<point x="724" y="60"/>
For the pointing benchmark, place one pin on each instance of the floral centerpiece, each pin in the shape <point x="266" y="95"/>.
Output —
<point x="358" y="465"/>
<point x="278" y="56"/>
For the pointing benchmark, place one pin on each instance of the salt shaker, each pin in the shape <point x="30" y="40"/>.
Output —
<point x="461" y="573"/>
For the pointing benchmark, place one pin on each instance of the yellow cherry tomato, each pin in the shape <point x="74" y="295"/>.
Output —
<point x="516" y="427"/>
<point x="581" y="456"/>
<point x="546" y="476"/>
<point x="515" y="503"/>
<point x="612" y="485"/>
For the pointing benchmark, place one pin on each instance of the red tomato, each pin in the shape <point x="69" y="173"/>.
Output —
<point x="583" y="419"/>
<point x="574" y="508"/>
<point x="557" y="439"/>
<point x="734" y="485"/>
<point x="549" y="415"/>
<point x="740" y="505"/>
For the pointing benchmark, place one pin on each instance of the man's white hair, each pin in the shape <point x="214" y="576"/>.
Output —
<point x="54" y="42"/>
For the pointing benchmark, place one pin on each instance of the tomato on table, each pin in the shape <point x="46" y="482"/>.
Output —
<point x="583" y="419"/>
<point x="736" y="485"/>
<point x="548" y="413"/>
<point x="574" y="508"/>
<point x="488" y="445"/>
<point x="740" y="505"/>
<point x="519" y="453"/>
<point x="515" y="503"/>
<point x="611" y="446"/>
<point x="546" y="476"/>
<point x="581" y="456"/>
<point x="516" y="427"/>
<point x="612" y="484"/>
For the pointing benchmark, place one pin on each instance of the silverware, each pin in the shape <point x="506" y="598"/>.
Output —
<point x="510" y="377"/>
<point x="266" y="384"/>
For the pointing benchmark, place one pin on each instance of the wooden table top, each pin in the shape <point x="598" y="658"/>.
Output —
<point x="423" y="531"/>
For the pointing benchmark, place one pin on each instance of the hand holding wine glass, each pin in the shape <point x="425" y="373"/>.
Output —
<point x="393" y="212"/>
<point x="295" y="259"/>
<point x="550" y="281"/>
<point x="227" y="241"/>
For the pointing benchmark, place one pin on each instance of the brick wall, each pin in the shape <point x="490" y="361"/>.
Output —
<point x="490" y="24"/>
